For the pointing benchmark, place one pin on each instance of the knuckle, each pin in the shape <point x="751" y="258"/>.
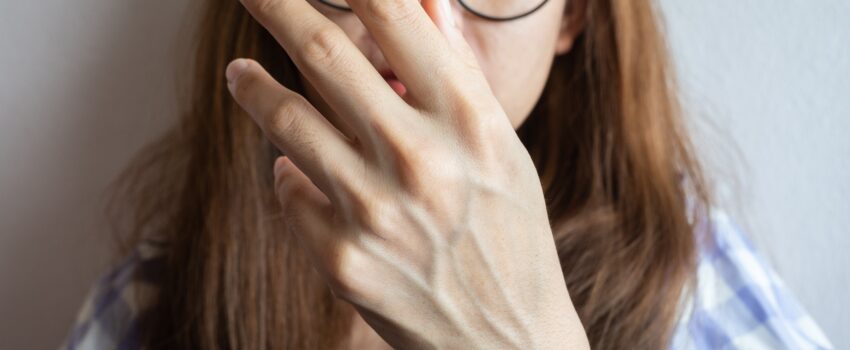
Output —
<point x="378" y="218"/>
<point x="467" y="115"/>
<point x="362" y="207"/>
<point x="392" y="10"/>
<point x="287" y="119"/>
<point x="478" y="116"/>
<point x="479" y="123"/>
<point x="324" y="46"/>
<point x="343" y="264"/>
<point x="415" y="161"/>
<point x="389" y="133"/>
<point x="369" y="209"/>
<point x="482" y="134"/>
<point x="410" y="154"/>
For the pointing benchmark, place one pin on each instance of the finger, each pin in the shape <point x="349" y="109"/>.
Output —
<point x="334" y="66"/>
<point x="294" y="126"/>
<point x="309" y="216"/>
<point x="305" y="208"/>
<point x="441" y="13"/>
<point x="418" y="53"/>
<point x="301" y="200"/>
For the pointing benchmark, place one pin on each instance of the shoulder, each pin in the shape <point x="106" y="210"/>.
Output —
<point x="110" y="312"/>
<point x="739" y="300"/>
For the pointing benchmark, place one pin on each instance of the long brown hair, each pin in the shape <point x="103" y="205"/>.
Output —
<point x="620" y="179"/>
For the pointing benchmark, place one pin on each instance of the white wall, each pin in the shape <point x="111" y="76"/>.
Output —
<point x="772" y="79"/>
<point x="86" y="83"/>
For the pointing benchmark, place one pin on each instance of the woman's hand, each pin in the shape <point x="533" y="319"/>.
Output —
<point x="430" y="217"/>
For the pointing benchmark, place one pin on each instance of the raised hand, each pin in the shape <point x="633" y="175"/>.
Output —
<point x="428" y="216"/>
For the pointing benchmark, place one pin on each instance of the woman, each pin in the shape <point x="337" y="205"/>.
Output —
<point x="458" y="174"/>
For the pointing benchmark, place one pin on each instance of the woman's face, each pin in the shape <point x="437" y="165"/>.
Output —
<point x="516" y="56"/>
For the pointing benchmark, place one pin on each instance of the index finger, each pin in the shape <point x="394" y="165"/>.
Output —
<point x="337" y="69"/>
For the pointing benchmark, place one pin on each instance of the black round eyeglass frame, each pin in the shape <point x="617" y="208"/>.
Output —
<point x="465" y="6"/>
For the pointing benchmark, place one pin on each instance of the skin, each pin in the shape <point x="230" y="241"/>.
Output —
<point x="515" y="56"/>
<point x="414" y="233"/>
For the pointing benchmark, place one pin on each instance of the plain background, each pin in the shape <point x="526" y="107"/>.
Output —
<point x="86" y="83"/>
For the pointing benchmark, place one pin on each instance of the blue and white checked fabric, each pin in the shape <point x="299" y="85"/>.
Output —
<point x="108" y="317"/>
<point x="739" y="302"/>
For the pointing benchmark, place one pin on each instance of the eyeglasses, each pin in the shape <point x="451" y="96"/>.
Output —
<point x="493" y="10"/>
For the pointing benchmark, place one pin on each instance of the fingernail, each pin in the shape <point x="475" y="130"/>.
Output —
<point x="235" y="69"/>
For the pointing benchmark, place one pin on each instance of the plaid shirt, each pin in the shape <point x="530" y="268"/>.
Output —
<point x="739" y="302"/>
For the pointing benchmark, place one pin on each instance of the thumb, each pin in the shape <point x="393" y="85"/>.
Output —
<point x="443" y="16"/>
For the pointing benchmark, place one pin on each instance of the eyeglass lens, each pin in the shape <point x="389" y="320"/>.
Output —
<point x="497" y="10"/>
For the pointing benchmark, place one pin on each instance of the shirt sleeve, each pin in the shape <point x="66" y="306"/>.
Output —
<point x="740" y="302"/>
<point x="108" y="315"/>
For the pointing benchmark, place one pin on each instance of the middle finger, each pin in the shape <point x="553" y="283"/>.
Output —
<point x="414" y="46"/>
